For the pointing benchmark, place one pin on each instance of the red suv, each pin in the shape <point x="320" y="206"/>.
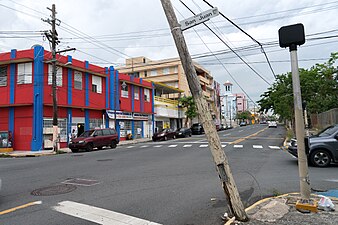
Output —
<point x="97" y="138"/>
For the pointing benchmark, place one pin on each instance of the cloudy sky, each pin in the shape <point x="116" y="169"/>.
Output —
<point x="106" y="32"/>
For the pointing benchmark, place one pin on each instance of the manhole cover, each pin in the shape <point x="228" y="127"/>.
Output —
<point x="104" y="160"/>
<point x="81" y="182"/>
<point x="54" y="190"/>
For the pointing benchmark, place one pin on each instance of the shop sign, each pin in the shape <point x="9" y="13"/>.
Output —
<point x="140" y="116"/>
<point x="119" y="115"/>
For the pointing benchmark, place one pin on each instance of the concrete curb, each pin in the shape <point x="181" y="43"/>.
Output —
<point x="18" y="154"/>
<point x="230" y="221"/>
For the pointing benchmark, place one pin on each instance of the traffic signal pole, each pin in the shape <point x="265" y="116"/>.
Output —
<point x="235" y="204"/>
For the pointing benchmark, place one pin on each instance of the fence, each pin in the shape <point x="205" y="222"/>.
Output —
<point x="325" y="119"/>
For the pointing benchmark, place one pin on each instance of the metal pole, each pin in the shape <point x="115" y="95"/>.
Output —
<point x="302" y="158"/>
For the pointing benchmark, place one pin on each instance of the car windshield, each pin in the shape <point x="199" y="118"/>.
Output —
<point x="164" y="131"/>
<point x="181" y="129"/>
<point x="87" y="133"/>
<point x="328" y="131"/>
<point x="196" y="125"/>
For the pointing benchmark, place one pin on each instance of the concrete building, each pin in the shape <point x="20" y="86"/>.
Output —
<point x="169" y="72"/>
<point x="88" y="96"/>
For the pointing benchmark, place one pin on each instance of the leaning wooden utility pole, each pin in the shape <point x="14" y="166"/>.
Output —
<point x="235" y="204"/>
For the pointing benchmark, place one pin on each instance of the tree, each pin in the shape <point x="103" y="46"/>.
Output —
<point x="319" y="89"/>
<point x="246" y="115"/>
<point x="189" y="104"/>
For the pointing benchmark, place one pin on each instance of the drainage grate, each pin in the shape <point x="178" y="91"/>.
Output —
<point x="81" y="182"/>
<point x="54" y="190"/>
<point x="104" y="160"/>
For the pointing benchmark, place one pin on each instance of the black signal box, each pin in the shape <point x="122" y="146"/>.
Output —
<point x="291" y="35"/>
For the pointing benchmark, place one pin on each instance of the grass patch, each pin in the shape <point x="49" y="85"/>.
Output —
<point x="275" y="192"/>
<point x="60" y="152"/>
<point x="4" y="156"/>
<point x="289" y="134"/>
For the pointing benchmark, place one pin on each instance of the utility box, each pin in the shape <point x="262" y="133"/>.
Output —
<point x="291" y="35"/>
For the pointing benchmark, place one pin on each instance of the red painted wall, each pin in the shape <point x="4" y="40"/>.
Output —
<point x="23" y="128"/>
<point x="4" y="90"/>
<point x="4" y="113"/>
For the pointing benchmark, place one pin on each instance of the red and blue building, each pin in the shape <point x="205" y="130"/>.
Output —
<point x="88" y="97"/>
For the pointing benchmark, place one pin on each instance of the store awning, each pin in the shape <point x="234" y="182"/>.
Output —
<point x="166" y="89"/>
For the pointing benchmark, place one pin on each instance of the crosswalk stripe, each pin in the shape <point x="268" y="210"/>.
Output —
<point x="257" y="146"/>
<point x="203" y="146"/>
<point x="130" y="146"/>
<point x="238" y="146"/>
<point x="186" y="146"/>
<point x="157" y="146"/>
<point x="144" y="146"/>
<point x="223" y="146"/>
<point x="98" y="215"/>
<point x="274" y="147"/>
<point x="172" y="146"/>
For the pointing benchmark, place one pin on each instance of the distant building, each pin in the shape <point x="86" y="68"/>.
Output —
<point x="241" y="102"/>
<point x="169" y="72"/>
<point x="88" y="97"/>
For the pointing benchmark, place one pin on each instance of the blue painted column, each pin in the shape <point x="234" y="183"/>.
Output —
<point x="132" y="107"/>
<point x="69" y="85"/>
<point x="12" y="73"/>
<point x="38" y="82"/>
<point x="153" y="108"/>
<point x="107" y="97"/>
<point x="87" y="89"/>
<point x="69" y="125"/>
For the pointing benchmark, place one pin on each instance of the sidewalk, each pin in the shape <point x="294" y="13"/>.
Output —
<point x="281" y="211"/>
<point x="62" y="150"/>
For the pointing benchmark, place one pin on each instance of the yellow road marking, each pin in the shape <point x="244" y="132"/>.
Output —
<point x="20" y="207"/>
<point x="244" y="138"/>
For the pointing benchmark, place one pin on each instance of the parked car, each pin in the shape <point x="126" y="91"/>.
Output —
<point x="97" y="138"/>
<point x="272" y="124"/>
<point x="197" y="128"/>
<point x="223" y="127"/>
<point x="243" y="123"/>
<point x="321" y="149"/>
<point x="183" y="132"/>
<point x="164" y="134"/>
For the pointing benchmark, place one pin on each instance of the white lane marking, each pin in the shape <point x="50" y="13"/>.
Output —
<point x="223" y="146"/>
<point x="98" y="215"/>
<point x="144" y="146"/>
<point x="332" y="180"/>
<point x="240" y="131"/>
<point x="274" y="147"/>
<point x="238" y="146"/>
<point x="157" y="146"/>
<point x="226" y="134"/>
<point x="172" y="146"/>
<point x="257" y="146"/>
<point x="186" y="146"/>
<point x="203" y="146"/>
<point x="130" y="147"/>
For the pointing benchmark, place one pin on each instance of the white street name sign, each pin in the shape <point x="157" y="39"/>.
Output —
<point x="199" y="18"/>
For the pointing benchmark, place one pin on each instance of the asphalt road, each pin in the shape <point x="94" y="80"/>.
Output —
<point x="172" y="182"/>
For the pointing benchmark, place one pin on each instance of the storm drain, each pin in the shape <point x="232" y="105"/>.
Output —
<point x="54" y="190"/>
<point x="81" y="182"/>
<point x="104" y="160"/>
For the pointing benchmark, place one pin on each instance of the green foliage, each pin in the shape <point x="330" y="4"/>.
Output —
<point x="319" y="88"/>
<point x="190" y="105"/>
<point x="246" y="115"/>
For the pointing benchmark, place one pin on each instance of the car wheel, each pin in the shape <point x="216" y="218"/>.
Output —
<point x="174" y="136"/>
<point x="89" y="147"/>
<point x="190" y="135"/>
<point x="113" y="144"/>
<point x="320" y="158"/>
<point x="165" y="138"/>
<point x="99" y="148"/>
<point x="75" y="150"/>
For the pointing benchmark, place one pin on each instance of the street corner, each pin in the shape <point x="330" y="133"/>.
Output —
<point x="281" y="209"/>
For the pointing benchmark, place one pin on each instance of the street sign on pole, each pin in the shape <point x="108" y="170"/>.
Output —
<point x="199" y="18"/>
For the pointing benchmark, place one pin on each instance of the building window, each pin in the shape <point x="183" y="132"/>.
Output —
<point x="136" y="93"/>
<point x="153" y="73"/>
<point x="146" y="95"/>
<point x="145" y="74"/>
<point x="96" y="84"/>
<point x="175" y="69"/>
<point x="58" y="75"/>
<point x="25" y="73"/>
<point x="78" y="80"/>
<point x="95" y="123"/>
<point x="166" y="70"/>
<point x="124" y="90"/>
<point x="3" y="76"/>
